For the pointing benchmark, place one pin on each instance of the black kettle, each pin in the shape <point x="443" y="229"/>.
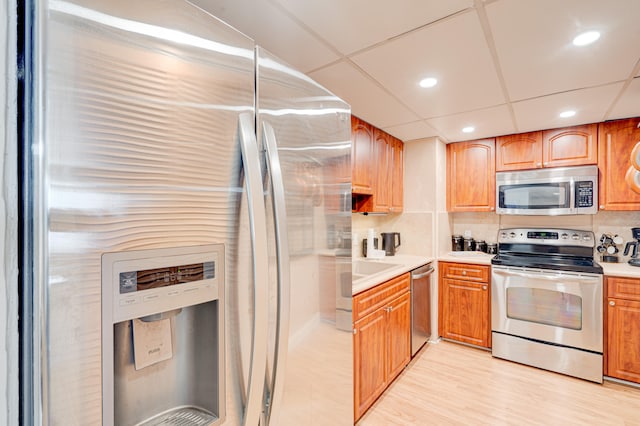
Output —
<point x="390" y="242"/>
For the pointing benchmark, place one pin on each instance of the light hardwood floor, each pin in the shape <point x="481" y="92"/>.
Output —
<point x="452" y="384"/>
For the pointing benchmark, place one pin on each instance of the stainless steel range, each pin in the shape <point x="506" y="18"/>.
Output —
<point x="546" y="301"/>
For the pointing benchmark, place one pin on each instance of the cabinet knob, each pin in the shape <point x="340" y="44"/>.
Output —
<point x="464" y="272"/>
<point x="612" y="303"/>
<point x="601" y="206"/>
<point x="539" y="165"/>
<point x="390" y="308"/>
<point x="484" y="287"/>
<point x="492" y="208"/>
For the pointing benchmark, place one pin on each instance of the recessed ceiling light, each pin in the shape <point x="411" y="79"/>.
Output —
<point x="428" y="82"/>
<point x="468" y="129"/>
<point x="586" y="38"/>
<point x="568" y="113"/>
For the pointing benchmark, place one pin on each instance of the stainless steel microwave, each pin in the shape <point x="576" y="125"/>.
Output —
<point x="553" y="191"/>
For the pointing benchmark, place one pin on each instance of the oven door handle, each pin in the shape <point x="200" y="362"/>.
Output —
<point x="547" y="276"/>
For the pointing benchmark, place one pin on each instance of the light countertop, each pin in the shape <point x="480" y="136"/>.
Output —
<point x="405" y="263"/>
<point x="622" y="269"/>
<point x="402" y="263"/>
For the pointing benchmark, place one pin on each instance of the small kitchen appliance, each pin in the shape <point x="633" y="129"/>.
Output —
<point x="365" y="245"/>
<point x="632" y="246"/>
<point x="548" y="192"/>
<point x="546" y="301"/>
<point x="390" y="242"/>
<point x="457" y="243"/>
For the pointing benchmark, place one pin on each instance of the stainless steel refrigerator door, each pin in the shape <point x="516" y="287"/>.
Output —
<point x="135" y="109"/>
<point x="312" y="131"/>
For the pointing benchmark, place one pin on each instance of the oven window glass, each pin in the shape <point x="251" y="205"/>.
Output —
<point x="535" y="196"/>
<point x="543" y="306"/>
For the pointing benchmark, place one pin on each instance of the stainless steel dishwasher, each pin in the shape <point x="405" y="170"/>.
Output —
<point x="420" y="307"/>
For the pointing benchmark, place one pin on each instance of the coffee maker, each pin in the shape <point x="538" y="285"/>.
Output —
<point x="633" y="247"/>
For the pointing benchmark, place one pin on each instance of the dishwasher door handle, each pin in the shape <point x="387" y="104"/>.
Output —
<point x="418" y="276"/>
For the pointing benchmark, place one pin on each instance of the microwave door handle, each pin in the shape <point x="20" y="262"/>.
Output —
<point x="573" y="206"/>
<point x="275" y="383"/>
<point x="258" y="230"/>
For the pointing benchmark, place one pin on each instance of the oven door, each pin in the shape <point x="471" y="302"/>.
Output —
<point x="535" y="198"/>
<point x="562" y="308"/>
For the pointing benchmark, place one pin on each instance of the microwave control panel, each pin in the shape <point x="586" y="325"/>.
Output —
<point x="584" y="193"/>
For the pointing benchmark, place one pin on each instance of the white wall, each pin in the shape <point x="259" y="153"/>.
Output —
<point x="8" y="219"/>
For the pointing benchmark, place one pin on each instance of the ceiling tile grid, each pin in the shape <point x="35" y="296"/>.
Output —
<point x="503" y="65"/>
<point x="534" y="44"/>
<point x="368" y="101"/>
<point x="542" y="113"/>
<point x="463" y="66"/>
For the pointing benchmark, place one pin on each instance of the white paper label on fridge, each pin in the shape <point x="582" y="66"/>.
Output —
<point x="151" y="342"/>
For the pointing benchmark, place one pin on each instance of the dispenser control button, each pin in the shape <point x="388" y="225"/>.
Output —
<point x="127" y="301"/>
<point x="150" y="297"/>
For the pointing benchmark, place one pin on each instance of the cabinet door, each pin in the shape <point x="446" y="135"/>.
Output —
<point x="465" y="312"/>
<point x="397" y="183"/>
<point x="616" y="142"/>
<point x="471" y="182"/>
<point x="370" y="359"/>
<point x="399" y="318"/>
<point x="519" y="152"/>
<point x="570" y="146"/>
<point x="361" y="156"/>
<point x="382" y="172"/>
<point x="623" y="339"/>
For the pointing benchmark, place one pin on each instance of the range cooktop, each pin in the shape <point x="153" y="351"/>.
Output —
<point x="555" y="249"/>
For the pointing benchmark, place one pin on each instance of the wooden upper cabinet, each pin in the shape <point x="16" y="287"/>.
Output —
<point x="616" y="141"/>
<point x="397" y="181"/>
<point x="519" y="152"/>
<point x="362" y="156"/>
<point x="378" y="169"/>
<point x="570" y="146"/>
<point x="471" y="182"/>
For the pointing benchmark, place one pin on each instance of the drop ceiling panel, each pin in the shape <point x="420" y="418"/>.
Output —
<point x="368" y="101"/>
<point x="454" y="51"/>
<point x="351" y="25"/>
<point x="629" y="103"/>
<point x="534" y="43"/>
<point x="274" y="30"/>
<point x="543" y="113"/>
<point x="412" y="131"/>
<point x="487" y="122"/>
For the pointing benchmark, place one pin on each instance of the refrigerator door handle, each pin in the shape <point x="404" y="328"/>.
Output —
<point x="275" y="383"/>
<point x="258" y="230"/>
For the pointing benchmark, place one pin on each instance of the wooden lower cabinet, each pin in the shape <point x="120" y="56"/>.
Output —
<point x="464" y="311"/>
<point x="381" y="339"/>
<point x="622" y="350"/>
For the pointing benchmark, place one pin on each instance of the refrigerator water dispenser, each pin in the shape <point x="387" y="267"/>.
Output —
<point x="163" y="336"/>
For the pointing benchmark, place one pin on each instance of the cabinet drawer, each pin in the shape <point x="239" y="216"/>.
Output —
<point x="623" y="288"/>
<point x="370" y="300"/>
<point x="465" y="271"/>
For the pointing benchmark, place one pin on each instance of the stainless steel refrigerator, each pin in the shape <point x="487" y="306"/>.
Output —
<point x="184" y="198"/>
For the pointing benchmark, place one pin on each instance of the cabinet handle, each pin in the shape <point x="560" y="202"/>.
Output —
<point x="612" y="303"/>
<point x="484" y="287"/>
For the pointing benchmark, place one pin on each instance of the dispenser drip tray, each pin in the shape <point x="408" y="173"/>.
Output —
<point x="181" y="416"/>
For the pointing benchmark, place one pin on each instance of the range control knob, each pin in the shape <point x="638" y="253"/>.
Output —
<point x="586" y="237"/>
<point x="512" y="235"/>
<point x="503" y="235"/>
<point x="575" y="237"/>
<point x="564" y="236"/>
